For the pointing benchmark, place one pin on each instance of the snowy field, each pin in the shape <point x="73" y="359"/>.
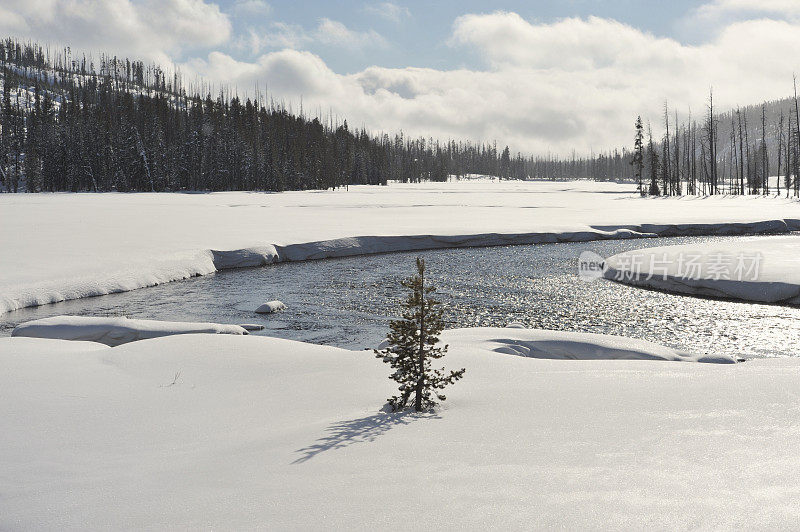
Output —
<point x="241" y="432"/>
<point x="764" y="270"/>
<point x="65" y="246"/>
<point x="548" y="429"/>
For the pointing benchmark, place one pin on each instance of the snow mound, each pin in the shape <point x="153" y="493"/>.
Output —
<point x="383" y="345"/>
<point x="114" y="331"/>
<point x="244" y="258"/>
<point x="762" y="270"/>
<point x="271" y="306"/>
<point x="367" y="245"/>
<point x="251" y="326"/>
<point x="24" y="345"/>
<point x="567" y="345"/>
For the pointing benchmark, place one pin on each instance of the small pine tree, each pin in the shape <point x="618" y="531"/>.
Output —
<point x="412" y="346"/>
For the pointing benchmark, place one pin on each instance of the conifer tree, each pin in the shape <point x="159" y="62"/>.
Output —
<point x="638" y="155"/>
<point x="412" y="347"/>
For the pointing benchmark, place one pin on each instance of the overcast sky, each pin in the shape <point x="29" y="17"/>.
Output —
<point x="537" y="75"/>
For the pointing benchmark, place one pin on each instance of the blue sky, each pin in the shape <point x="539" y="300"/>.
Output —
<point x="417" y="34"/>
<point x="541" y="76"/>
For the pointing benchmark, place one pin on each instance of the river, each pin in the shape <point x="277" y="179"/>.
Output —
<point x="348" y="302"/>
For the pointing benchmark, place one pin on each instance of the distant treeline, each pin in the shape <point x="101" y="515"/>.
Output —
<point x="750" y="150"/>
<point x="70" y="124"/>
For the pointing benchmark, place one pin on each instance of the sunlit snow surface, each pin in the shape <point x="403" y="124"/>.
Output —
<point x="348" y="302"/>
<point x="225" y="432"/>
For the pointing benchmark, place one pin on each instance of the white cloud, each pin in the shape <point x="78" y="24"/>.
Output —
<point x="251" y="7"/>
<point x="388" y="10"/>
<point x="573" y="83"/>
<point x="718" y="9"/>
<point x="149" y="29"/>
<point x="506" y="38"/>
<point x="328" y="33"/>
<point x="277" y="35"/>
<point x="288" y="74"/>
<point x="332" y="32"/>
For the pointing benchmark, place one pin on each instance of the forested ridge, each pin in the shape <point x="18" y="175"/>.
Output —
<point x="75" y="124"/>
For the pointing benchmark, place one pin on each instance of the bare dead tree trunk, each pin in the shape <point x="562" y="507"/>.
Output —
<point x="741" y="153"/>
<point x="747" y="156"/>
<point x="712" y="144"/>
<point x="734" y="170"/>
<point x="687" y="146"/>
<point x="694" y="157"/>
<point x="666" y="189"/>
<point x="705" y="167"/>
<point x="796" y="144"/>
<point x="788" y="155"/>
<point x="780" y="147"/>
<point x="677" y="158"/>
<point x="764" y="156"/>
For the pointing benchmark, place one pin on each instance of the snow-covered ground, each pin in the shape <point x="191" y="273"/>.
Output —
<point x="65" y="246"/>
<point x="231" y="431"/>
<point x="242" y="432"/>
<point x="764" y="269"/>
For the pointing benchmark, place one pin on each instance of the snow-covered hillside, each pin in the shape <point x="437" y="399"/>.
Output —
<point x="65" y="246"/>
<point x="242" y="432"/>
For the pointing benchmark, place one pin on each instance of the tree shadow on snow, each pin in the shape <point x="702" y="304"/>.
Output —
<point x="360" y="430"/>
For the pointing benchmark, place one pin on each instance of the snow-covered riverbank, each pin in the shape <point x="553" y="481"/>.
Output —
<point x="66" y="246"/>
<point x="234" y="432"/>
<point x="764" y="270"/>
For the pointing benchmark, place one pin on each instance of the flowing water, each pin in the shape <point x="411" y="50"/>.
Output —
<point x="348" y="302"/>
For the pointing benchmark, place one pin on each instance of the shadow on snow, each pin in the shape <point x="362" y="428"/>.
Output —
<point x="360" y="430"/>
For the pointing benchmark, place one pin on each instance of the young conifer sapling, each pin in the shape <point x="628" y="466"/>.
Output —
<point x="413" y="346"/>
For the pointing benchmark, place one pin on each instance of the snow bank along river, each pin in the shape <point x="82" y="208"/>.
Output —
<point x="57" y="247"/>
<point x="763" y="270"/>
<point x="347" y="302"/>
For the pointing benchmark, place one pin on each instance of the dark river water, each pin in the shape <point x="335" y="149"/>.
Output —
<point x="347" y="302"/>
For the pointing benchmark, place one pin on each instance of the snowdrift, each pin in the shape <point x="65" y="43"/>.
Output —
<point x="114" y="331"/>
<point x="133" y="275"/>
<point x="31" y="346"/>
<point x="243" y="432"/>
<point x="761" y="270"/>
<point x="567" y="345"/>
